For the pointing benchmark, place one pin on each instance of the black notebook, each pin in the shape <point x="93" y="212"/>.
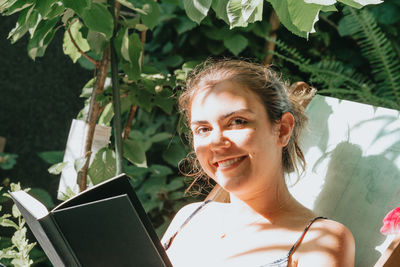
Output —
<point x="105" y="225"/>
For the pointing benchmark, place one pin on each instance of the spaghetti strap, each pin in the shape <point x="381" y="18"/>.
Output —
<point x="296" y="245"/>
<point x="283" y="262"/>
<point x="167" y="244"/>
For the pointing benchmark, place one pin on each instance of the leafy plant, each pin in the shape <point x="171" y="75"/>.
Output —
<point x="377" y="49"/>
<point x="380" y="86"/>
<point x="18" y="251"/>
<point x="297" y="16"/>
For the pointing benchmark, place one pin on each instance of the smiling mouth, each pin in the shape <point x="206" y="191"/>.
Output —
<point x="228" y="162"/>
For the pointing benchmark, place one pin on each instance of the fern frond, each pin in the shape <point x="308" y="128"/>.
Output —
<point x="329" y="74"/>
<point x="377" y="49"/>
<point x="288" y="51"/>
<point x="360" y="96"/>
<point x="334" y="74"/>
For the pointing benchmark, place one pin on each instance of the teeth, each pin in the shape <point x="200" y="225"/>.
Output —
<point x="229" y="162"/>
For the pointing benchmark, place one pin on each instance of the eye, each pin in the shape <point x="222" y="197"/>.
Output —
<point x="238" y="122"/>
<point x="201" y="130"/>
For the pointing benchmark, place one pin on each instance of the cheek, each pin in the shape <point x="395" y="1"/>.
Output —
<point x="242" y="137"/>
<point x="201" y="149"/>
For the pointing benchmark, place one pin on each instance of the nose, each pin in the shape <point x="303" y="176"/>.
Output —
<point x="218" y="140"/>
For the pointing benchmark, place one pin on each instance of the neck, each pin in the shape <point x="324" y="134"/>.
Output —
<point x="272" y="202"/>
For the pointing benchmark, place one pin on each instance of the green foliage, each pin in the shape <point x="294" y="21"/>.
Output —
<point x="197" y="9"/>
<point x="376" y="48"/>
<point x="297" y="16"/>
<point x="379" y="86"/>
<point x="68" y="45"/>
<point x="7" y="160"/>
<point x="17" y="253"/>
<point x="52" y="157"/>
<point x="103" y="166"/>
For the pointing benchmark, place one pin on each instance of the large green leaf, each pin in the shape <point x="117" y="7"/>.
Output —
<point x="331" y="8"/>
<point x="69" y="47"/>
<point x="218" y="34"/>
<point x="252" y="10"/>
<point x="281" y="9"/>
<point x="44" y="7"/>
<point x="97" y="41"/>
<point x="52" y="157"/>
<point x="57" y="10"/>
<point x="172" y="61"/>
<point x="152" y="10"/>
<point x="21" y="27"/>
<point x="360" y="3"/>
<point x="160" y="170"/>
<point x="303" y="15"/>
<point x="234" y="12"/>
<point x="131" y="51"/>
<point x="107" y="115"/>
<point x="142" y="98"/>
<point x="176" y="183"/>
<point x="236" y="43"/>
<point x="219" y="8"/>
<point x="134" y="152"/>
<point x="184" y="25"/>
<point x="15" y="6"/>
<point x="41" y="38"/>
<point x="99" y="19"/>
<point x="158" y="137"/>
<point x="57" y="168"/>
<point x="132" y="4"/>
<point x="103" y="166"/>
<point x="197" y="10"/>
<point x="77" y="5"/>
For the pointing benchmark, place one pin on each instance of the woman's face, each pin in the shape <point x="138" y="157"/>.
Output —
<point x="234" y="141"/>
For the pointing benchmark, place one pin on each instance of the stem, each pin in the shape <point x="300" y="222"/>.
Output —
<point x="94" y="108"/>
<point x="95" y="62"/>
<point x="143" y="41"/>
<point x="116" y="94"/>
<point x="129" y="122"/>
<point x="322" y="17"/>
<point x="270" y="45"/>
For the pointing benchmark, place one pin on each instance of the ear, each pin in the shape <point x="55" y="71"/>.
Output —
<point x="285" y="128"/>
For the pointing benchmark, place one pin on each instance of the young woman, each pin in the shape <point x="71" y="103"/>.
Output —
<point x="245" y="129"/>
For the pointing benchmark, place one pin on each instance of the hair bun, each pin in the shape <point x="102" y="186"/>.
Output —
<point x="301" y="93"/>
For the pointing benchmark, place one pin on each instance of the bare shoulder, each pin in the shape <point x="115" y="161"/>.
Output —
<point x="179" y="219"/>
<point x="329" y="243"/>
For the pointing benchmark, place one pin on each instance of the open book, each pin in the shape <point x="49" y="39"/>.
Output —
<point x="103" y="226"/>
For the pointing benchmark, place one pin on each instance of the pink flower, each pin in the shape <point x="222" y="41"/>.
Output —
<point x="391" y="222"/>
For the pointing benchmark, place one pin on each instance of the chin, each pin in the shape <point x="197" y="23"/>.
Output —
<point x="231" y="184"/>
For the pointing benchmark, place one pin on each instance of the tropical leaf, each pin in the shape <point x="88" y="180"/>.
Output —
<point x="197" y="10"/>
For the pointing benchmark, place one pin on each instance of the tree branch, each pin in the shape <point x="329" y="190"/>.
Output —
<point x="129" y="122"/>
<point x="95" y="62"/>
<point x="94" y="108"/>
<point x="270" y="46"/>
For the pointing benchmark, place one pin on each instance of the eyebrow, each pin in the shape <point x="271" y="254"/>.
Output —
<point x="243" y="110"/>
